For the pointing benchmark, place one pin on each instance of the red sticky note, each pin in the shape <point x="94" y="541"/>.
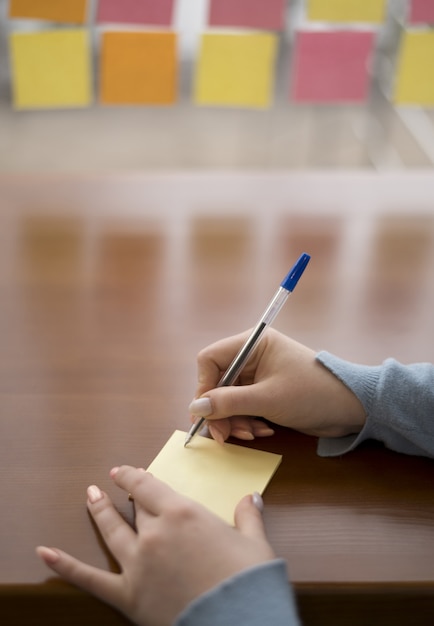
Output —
<point x="157" y="12"/>
<point x="421" y="12"/>
<point x="332" y="66"/>
<point x="261" y="14"/>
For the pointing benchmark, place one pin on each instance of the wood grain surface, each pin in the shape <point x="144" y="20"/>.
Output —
<point x="109" y="286"/>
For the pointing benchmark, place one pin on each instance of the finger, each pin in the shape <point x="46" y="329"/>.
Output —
<point x="248" y="517"/>
<point x="220" y="430"/>
<point x="141" y="517"/>
<point x="261" y="429"/>
<point x="247" y="428"/>
<point x="242" y="427"/>
<point x="224" y="402"/>
<point x="105" y="585"/>
<point x="117" y="534"/>
<point x="148" y="492"/>
<point x="213" y="360"/>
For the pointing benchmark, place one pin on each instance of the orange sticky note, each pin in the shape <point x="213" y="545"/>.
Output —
<point x="73" y="11"/>
<point x="236" y="69"/>
<point x="138" y="67"/>
<point x="51" y="69"/>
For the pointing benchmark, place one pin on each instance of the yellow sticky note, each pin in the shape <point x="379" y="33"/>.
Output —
<point x="54" y="10"/>
<point x="216" y="476"/>
<point x="346" y="10"/>
<point x="415" y="74"/>
<point x="51" y="69"/>
<point x="236" y="70"/>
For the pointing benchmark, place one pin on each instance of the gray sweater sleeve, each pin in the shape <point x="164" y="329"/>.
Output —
<point x="257" y="596"/>
<point x="398" y="401"/>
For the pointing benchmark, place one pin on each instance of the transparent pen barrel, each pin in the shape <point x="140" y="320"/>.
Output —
<point x="275" y="305"/>
<point x="243" y="355"/>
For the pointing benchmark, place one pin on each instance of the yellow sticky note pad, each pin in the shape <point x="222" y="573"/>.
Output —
<point x="414" y="76"/>
<point x="51" y="69"/>
<point x="216" y="476"/>
<point x="236" y="70"/>
<point x="54" y="10"/>
<point x="346" y="10"/>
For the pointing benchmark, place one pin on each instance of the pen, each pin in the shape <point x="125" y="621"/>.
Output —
<point x="286" y="287"/>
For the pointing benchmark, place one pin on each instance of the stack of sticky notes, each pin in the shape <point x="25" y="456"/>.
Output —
<point x="217" y="476"/>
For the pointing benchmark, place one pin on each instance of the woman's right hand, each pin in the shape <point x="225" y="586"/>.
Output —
<point x="282" y="382"/>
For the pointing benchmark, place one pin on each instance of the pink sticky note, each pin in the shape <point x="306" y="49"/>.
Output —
<point x="332" y="66"/>
<point x="262" y="14"/>
<point x="136" y="11"/>
<point x="421" y="12"/>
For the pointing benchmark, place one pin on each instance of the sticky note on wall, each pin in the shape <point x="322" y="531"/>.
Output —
<point x="346" y="10"/>
<point x="331" y="66"/>
<point x="421" y="11"/>
<point x="268" y="15"/>
<point x="50" y="69"/>
<point x="235" y="70"/>
<point x="158" y="12"/>
<point x="138" y="68"/>
<point x="414" y="74"/>
<point x="64" y="11"/>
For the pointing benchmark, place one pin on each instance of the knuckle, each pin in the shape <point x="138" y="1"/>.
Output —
<point x="182" y="512"/>
<point x="231" y="404"/>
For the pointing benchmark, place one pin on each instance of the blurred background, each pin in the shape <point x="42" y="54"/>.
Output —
<point x="374" y="134"/>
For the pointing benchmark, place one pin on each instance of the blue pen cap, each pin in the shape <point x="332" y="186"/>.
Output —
<point x="293" y="276"/>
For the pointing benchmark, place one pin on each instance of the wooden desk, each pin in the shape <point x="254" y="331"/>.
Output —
<point x="110" y="286"/>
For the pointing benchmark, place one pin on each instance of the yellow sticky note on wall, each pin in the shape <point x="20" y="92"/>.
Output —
<point x="214" y="475"/>
<point x="415" y="69"/>
<point x="236" y="70"/>
<point x="346" y="10"/>
<point x="50" y="69"/>
<point x="73" y="11"/>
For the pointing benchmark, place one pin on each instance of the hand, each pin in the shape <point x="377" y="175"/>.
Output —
<point x="282" y="382"/>
<point x="178" y="551"/>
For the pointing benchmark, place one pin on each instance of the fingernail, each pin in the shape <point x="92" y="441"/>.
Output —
<point x="258" y="501"/>
<point x="49" y="555"/>
<point x="94" y="494"/>
<point x="113" y="472"/>
<point x="263" y="430"/>
<point x="201" y="407"/>
<point x="243" y="434"/>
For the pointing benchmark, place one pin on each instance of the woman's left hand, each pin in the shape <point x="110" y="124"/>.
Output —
<point x="178" y="550"/>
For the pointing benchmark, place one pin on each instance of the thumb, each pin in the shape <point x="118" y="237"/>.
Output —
<point x="248" y="517"/>
<point x="225" y="402"/>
